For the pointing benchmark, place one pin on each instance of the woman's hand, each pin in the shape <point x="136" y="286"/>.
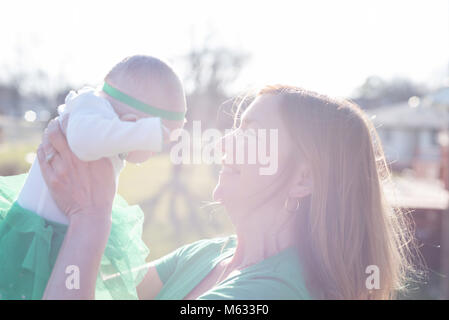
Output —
<point x="78" y="187"/>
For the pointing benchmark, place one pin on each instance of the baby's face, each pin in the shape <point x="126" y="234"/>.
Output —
<point x="140" y="156"/>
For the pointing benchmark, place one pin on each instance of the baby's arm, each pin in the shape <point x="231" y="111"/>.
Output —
<point x="94" y="131"/>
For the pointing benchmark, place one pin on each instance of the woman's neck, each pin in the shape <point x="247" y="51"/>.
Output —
<point x="259" y="237"/>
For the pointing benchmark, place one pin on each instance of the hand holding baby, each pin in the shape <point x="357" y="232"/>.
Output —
<point x="78" y="187"/>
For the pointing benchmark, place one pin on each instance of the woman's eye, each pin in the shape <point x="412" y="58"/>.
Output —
<point x="250" y="132"/>
<point x="244" y="125"/>
<point x="244" y="130"/>
<point x="247" y="132"/>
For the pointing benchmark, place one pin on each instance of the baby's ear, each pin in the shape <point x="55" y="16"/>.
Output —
<point x="128" y="117"/>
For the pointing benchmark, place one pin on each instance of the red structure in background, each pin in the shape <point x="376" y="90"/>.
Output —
<point x="427" y="199"/>
<point x="444" y="229"/>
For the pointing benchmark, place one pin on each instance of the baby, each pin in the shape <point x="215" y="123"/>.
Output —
<point x="129" y="118"/>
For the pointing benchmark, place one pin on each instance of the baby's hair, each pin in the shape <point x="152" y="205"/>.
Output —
<point x="138" y="66"/>
<point x="136" y="74"/>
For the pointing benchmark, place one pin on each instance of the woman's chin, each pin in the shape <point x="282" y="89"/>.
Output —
<point x="217" y="194"/>
<point x="227" y="198"/>
<point x="220" y="193"/>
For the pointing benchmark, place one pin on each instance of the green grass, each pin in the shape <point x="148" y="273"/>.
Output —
<point x="12" y="157"/>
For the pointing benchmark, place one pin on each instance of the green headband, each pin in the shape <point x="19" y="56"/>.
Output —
<point x="139" y="105"/>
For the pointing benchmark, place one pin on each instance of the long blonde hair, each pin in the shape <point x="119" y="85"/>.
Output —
<point x="346" y="224"/>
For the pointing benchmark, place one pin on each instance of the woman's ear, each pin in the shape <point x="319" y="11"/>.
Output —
<point x="303" y="183"/>
<point x="129" y="117"/>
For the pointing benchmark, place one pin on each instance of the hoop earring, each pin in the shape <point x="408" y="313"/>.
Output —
<point x="287" y="207"/>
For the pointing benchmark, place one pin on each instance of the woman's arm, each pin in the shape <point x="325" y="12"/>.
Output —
<point x="150" y="285"/>
<point x="84" y="191"/>
<point x="80" y="255"/>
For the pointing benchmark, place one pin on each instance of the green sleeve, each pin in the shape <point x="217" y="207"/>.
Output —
<point x="255" y="289"/>
<point x="201" y="250"/>
<point x="166" y="265"/>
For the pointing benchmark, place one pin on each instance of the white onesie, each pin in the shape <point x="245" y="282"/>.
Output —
<point x="93" y="131"/>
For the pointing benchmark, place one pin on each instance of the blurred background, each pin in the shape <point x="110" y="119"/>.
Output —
<point x="391" y="57"/>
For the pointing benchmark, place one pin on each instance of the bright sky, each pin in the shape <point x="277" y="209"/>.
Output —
<point x="328" y="46"/>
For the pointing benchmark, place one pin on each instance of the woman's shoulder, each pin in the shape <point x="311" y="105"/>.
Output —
<point x="266" y="287"/>
<point x="207" y="245"/>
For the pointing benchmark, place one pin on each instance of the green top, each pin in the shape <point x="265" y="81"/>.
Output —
<point x="277" y="277"/>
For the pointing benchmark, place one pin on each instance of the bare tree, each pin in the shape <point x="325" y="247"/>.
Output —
<point x="210" y="74"/>
<point x="377" y="92"/>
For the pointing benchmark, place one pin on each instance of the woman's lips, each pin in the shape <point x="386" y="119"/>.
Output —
<point x="228" y="170"/>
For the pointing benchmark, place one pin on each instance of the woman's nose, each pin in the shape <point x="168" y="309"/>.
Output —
<point x="228" y="142"/>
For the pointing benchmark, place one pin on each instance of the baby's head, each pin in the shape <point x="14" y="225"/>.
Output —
<point x="152" y="82"/>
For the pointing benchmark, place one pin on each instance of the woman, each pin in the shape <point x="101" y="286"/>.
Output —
<point x="311" y="230"/>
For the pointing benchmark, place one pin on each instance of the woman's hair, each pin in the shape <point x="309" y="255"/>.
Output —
<point x="346" y="224"/>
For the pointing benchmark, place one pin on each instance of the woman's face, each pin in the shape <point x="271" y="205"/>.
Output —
<point x="243" y="184"/>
